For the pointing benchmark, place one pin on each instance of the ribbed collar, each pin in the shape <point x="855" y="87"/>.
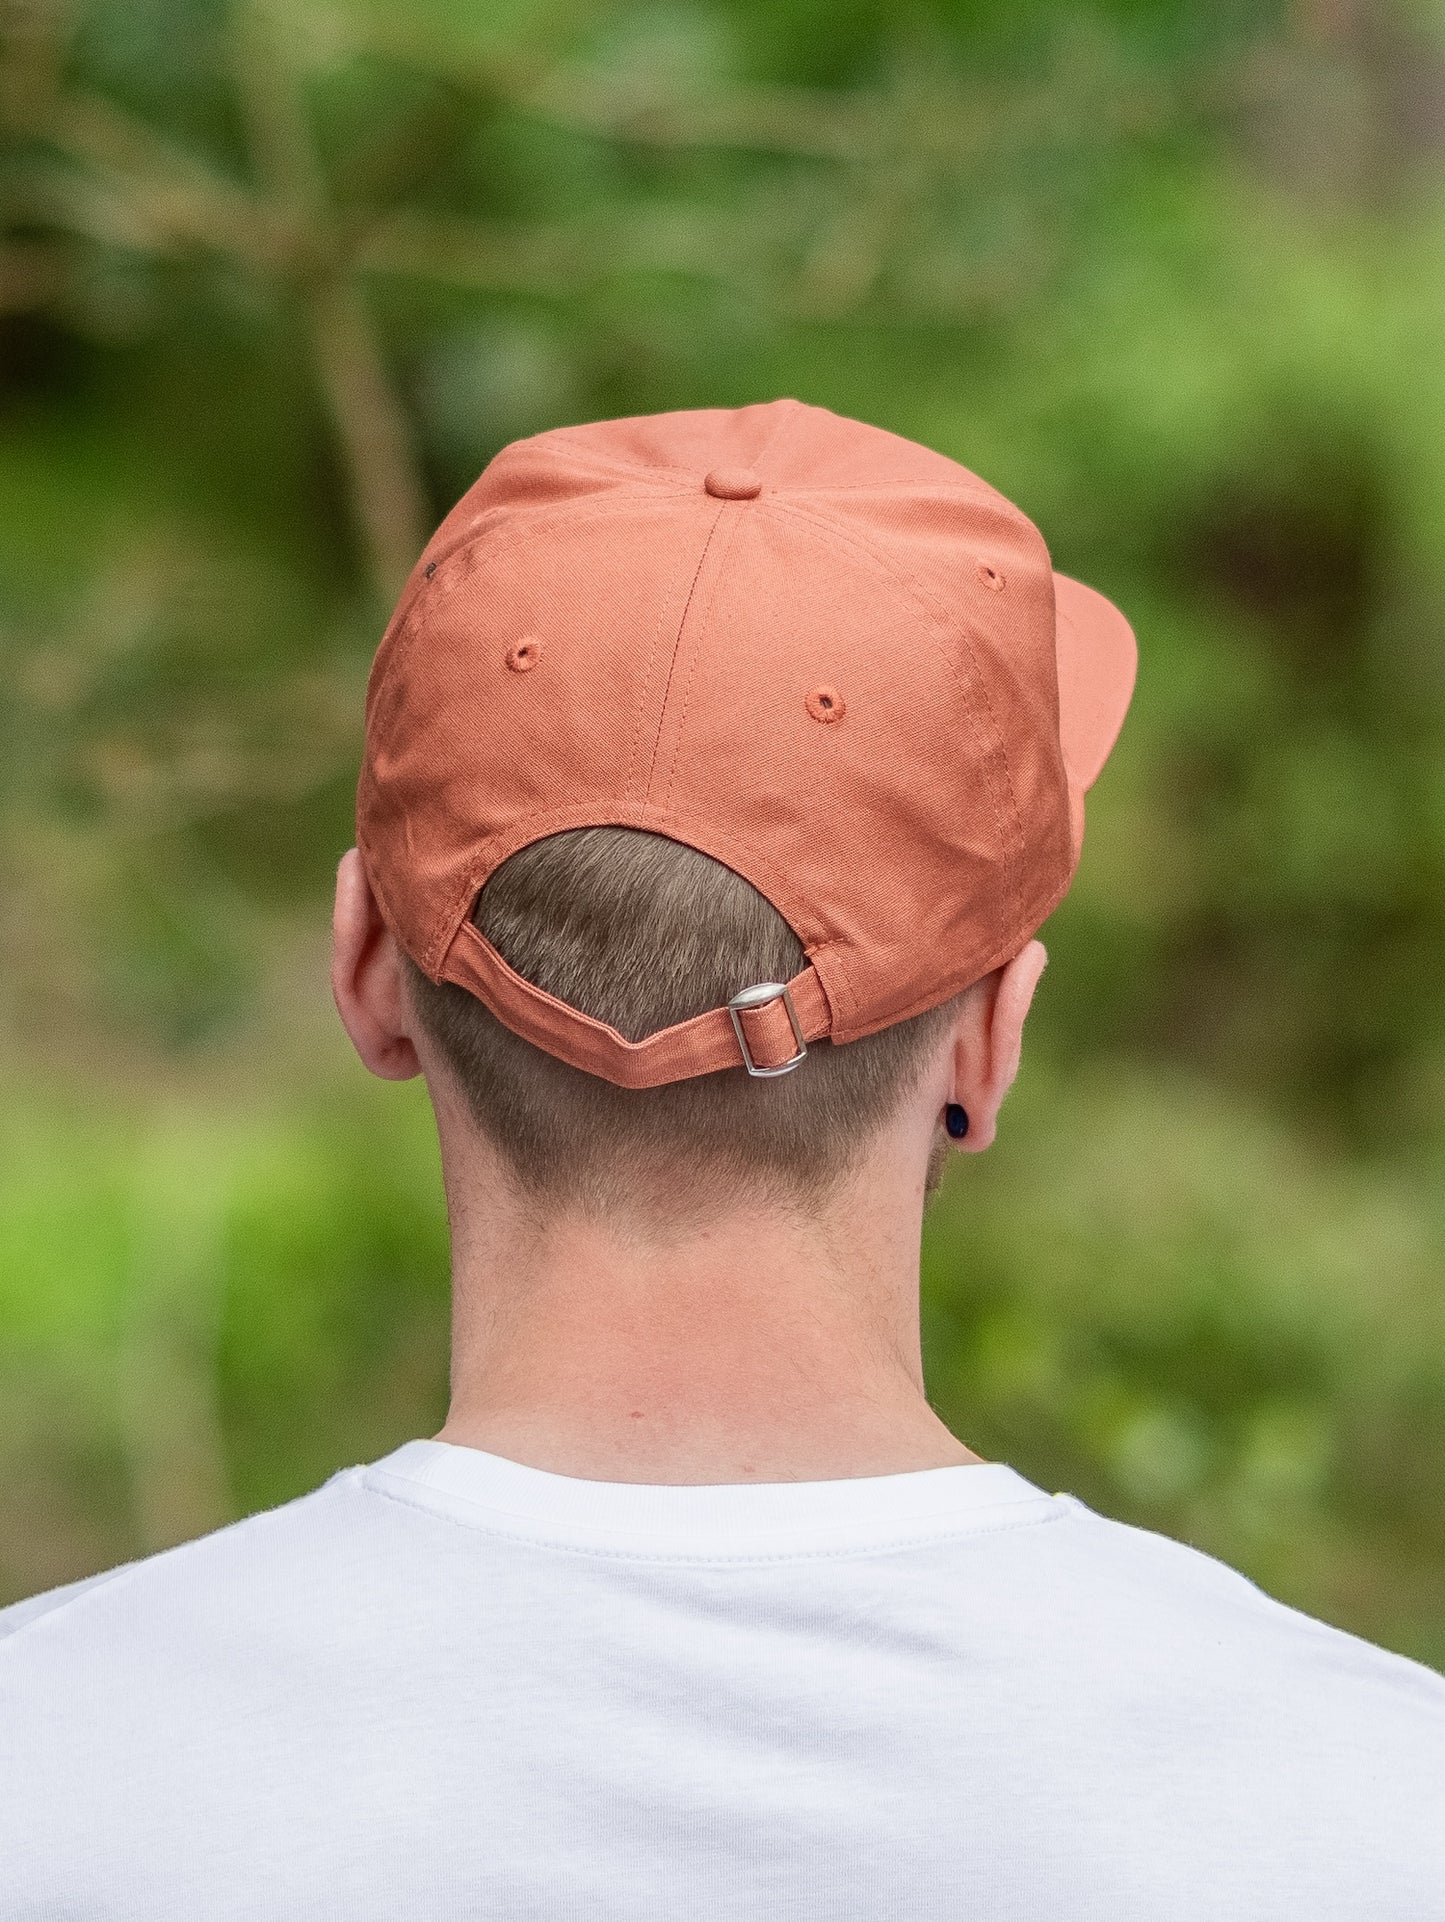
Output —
<point x="715" y="1519"/>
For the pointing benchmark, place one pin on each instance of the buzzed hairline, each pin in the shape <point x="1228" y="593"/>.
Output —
<point x="641" y="932"/>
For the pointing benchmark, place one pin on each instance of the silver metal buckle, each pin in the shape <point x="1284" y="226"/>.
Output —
<point x="759" y="997"/>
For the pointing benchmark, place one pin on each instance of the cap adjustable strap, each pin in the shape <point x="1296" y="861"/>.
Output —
<point x="765" y="1029"/>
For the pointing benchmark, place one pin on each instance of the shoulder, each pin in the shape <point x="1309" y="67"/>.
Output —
<point x="213" y="1577"/>
<point x="1175" y="1609"/>
<point x="156" y="1698"/>
<point x="15" y="1617"/>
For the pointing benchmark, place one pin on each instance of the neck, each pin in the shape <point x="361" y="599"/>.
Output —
<point x="765" y="1346"/>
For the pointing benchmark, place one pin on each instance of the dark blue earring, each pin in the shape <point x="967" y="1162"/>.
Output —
<point x="955" y="1119"/>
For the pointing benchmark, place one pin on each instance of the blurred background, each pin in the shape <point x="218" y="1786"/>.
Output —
<point x="275" y="283"/>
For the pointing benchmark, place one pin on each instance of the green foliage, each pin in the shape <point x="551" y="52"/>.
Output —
<point x="275" y="284"/>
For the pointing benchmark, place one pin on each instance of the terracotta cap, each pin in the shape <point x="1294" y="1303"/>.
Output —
<point x="834" y="660"/>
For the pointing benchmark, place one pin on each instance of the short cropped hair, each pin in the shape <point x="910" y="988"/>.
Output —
<point x="641" y="932"/>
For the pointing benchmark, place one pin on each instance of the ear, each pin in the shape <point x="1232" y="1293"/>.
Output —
<point x="988" y="1043"/>
<point x="367" y="979"/>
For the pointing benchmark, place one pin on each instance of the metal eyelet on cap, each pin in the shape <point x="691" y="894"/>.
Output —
<point x="759" y="997"/>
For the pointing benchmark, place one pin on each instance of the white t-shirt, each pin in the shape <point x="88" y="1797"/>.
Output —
<point x="449" y="1686"/>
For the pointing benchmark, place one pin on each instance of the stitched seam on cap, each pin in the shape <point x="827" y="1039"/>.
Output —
<point x="971" y="490"/>
<point x="788" y="414"/>
<point x="677" y="646"/>
<point x="784" y="420"/>
<point x="446" y="540"/>
<point x="442" y="926"/>
<point x="823" y="959"/>
<point x="838" y="953"/>
<point x="703" y="618"/>
<point x="941" y="614"/>
<point x="605" y="463"/>
<point x="444" y="587"/>
<point x="647" y="677"/>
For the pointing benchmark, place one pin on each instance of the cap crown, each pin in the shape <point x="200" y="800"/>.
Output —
<point x="816" y="651"/>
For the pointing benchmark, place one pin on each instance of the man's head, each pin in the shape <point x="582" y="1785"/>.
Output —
<point x="719" y="769"/>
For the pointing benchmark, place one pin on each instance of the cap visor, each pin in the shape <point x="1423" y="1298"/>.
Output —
<point x="1097" y="660"/>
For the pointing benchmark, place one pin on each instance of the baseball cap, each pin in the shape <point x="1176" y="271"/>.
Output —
<point x="830" y="658"/>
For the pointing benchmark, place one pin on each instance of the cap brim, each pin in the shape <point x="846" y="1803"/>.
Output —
<point x="1097" y="659"/>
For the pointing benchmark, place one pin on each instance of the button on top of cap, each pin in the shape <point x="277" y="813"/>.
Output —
<point x="733" y="484"/>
